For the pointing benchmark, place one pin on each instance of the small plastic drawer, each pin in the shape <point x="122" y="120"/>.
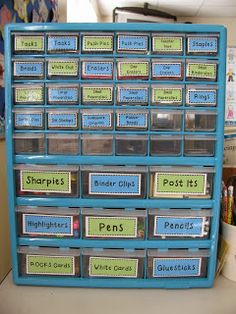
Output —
<point x="199" y="145"/>
<point x="48" y="261"/>
<point x="48" y="222"/>
<point x="201" y="95"/>
<point x="97" y="94"/>
<point x="167" y="95"/>
<point x="135" y="94"/>
<point x="202" y="44"/>
<point x="167" y="43"/>
<point x="47" y="180"/>
<point x="203" y="70"/>
<point x="97" y="69"/>
<point x="62" y="42"/>
<point x="96" y="119"/>
<point x="114" y="181"/>
<point x="165" y="145"/>
<point x="131" y="119"/>
<point x="137" y="43"/>
<point x="167" y="69"/>
<point x="24" y="69"/>
<point x="114" y="224"/>
<point x="200" y="120"/>
<point x="63" y="144"/>
<point x="166" y="120"/>
<point x="28" y="94"/>
<point x="129" y="144"/>
<point x="62" y="94"/>
<point x="62" y="119"/>
<point x="97" y="43"/>
<point x="28" y="43"/>
<point x="29" y="143"/>
<point x="132" y="69"/>
<point x="28" y="118"/>
<point x="179" y="223"/>
<point x="174" y="263"/>
<point x="62" y="68"/>
<point x="113" y="263"/>
<point x="97" y="144"/>
<point x="181" y="182"/>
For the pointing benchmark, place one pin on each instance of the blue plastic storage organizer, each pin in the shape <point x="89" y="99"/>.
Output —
<point x="114" y="149"/>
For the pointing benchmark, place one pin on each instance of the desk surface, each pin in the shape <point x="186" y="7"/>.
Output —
<point x="37" y="300"/>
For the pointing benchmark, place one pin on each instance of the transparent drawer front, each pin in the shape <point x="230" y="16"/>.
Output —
<point x="62" y="119"/>
<point x="29" y="143"/>
<point x="28" y="94"/>
<point x="38" y="261"/>
<point x="28" y="119"/>
<point x="113" y="263"/>
<point x="131" y="119"/>
<point x="63" y="144"/>
<point x="203" y="70"/>
<point x="137" y="43"/>
<point x="200" y="120"/>
<point x="93" y="42"/>
<point x="131" y="144"/>
<point x="199" y="145"/>
<point x="62" y="42"/>
<point x="167" y="43"/>
<point x="202" y="44"/>
<point x="166" y="145"/>
<point x="62" y="68"/>
<point x="62" y="94"/>
<point x="201" y="96"/>
<point x="28" y="43"/>
<point x="96" y="119"/>
<point x="97" y="144"/>
<point x="132" y="69"/>
<point x="166" y="120"/>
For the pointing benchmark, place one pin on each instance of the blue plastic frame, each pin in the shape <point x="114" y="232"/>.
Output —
<point x="214" y="203"/>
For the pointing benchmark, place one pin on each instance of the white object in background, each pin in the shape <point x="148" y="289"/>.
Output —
<point x="81" y="11"/>
<point x="230" y="150"/>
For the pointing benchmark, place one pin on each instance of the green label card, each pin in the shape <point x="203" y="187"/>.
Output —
<point x="179" y="183"/>
<point x="119" y="227"/>
<point x="201" y="70"/>
<point x="167" y="95"/>
<point x="29" y="95"/>
<point x="29" y="43"/>
<point x="50" y="265"/>
<point x="167" y="44"/>
<point x="94" y="43"/>
<point x="129" y="69"/>
<point x="113" y="267"/>
<point x="63" y="67"/>
<point x="45" y="181"/>
<point x="97" y="94"/>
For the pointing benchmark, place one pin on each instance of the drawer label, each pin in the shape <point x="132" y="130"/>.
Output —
<point x="64" y="119"/>
<point x="62" y="43"/>
<point x="167" y="70"/>
<point x="132" y="95"/>
<point x="24" y="68"/>
<point x="97" y="94"/>
<point x="29" y="95"/>
<point x="178" y="226"/>
<point x="179" y="183"/>
<point x="132" y="120"/>
<point x="47" y="225"/>
<point x="96" y="120"/>
<point x="29" y="120"/>
<point x="201" y="70"/>
<point x="137" y="43"/>
<point x="45" y="181"/>
<point x="113" y="267"/>
<point x="202" y="44"/>
<point x="167" y="44"/>
<point x="176" y="267"/>
<point x="63" y="67"/>
<point x="106" y="227"/>
<point x="63" y="94"/>
<point x="167" y="95"/>
<point x="114" y="184"/>
<point x="97" y="43"/>
<point x="50" y="265"/>
<point x="205" y="97"/>
<point x="97" y="69"/>
<point x="133" y="69"/>
<point x="29" y="43"/>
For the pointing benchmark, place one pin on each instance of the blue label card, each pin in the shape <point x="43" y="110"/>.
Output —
<point x="96" y="120"/>
<point x="47" y="225"/>
<point x="132" y="42"/>
<point x="25" y="68"/>
<point x="114" y="184"/>
<point x="132" y="120"/>
<point x="178" y="226"/>
<point x="167" y="70"/>
<point x="63" y="119"/>
<point x="63" y="94"/>
<point x="132" y="95"/>
<point x="29" y="120"/>
<point x="201" y="97"/>
<point x="202" y="44"/>
<point x="176" y="267"/>
<point x="93" y="69"/>
<point x="62" y="42"/>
